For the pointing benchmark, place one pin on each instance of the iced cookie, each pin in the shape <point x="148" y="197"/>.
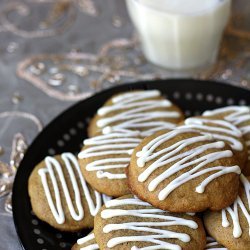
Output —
<point x="184" y="171"/>
<point x="86" y="243"/>
<point x="212" y="244"/>
<point x="220" y="130"/>
<point x="146" y="111"/>
<point x="231" y="226"/>
<point x="60" y="195"/>
<point x="129" y="223"/>
<point x="240" y="117"/>
<point x="104" y="158"/>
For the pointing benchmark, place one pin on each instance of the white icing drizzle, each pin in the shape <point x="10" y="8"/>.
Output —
<point x="106" y="198"/>
<point x="141" y="114"/>
<point x="233" y="210"/>
<point x="213" y="245"/>
<point x="153" y="228"/>
<point x="120" y="143"/>
<point x="182" y="161"/>
<point x="52" y="166"/>
<point x="215" y="128"/>
<point x="238" y="115"/>
<point x="84" y="240"/>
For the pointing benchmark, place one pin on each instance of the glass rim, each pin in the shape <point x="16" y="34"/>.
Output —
<point x="146" y="5"/>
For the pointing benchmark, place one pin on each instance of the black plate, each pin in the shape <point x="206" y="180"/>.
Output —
<point x="68" y="130"/>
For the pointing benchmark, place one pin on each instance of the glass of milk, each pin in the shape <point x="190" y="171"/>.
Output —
<point x="180" y="34"/>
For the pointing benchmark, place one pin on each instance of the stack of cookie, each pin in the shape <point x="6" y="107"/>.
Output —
<point x="147" y="178"/>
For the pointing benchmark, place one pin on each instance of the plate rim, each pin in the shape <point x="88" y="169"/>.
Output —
<point x="133" y="85"/>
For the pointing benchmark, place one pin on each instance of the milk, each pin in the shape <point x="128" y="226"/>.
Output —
<point x="180" y="34"/>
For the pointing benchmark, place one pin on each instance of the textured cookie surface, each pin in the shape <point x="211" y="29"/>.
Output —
<point x="240" y="117"/>
<point x="116" y="130"/>
<point x="129" y="223"/>
<point x="86" y="243"/>
<point x="212" y="244"/>
<point x="60" y="195"/>
<point x="143" y="110"/>
<point x="182" y="170"/>
<point x="104" y="158"/>
<point x="221" y="130"/>
<point x="231" y="226"/>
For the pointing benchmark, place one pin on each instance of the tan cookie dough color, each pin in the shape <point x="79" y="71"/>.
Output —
<point x="146" y="111"/>
<point x="182" y="170"/>
<point x="116" y="130"/>
<point x="60" y="195"/>
<point x="212" y="244"/>
<point x="231" y="226"/>
<point x="240" y="117"/>
<point x="86" y="243"/>
<point x="221" y="130"/>
<point x="129" y="223"/>
<point x="104" y="158"/>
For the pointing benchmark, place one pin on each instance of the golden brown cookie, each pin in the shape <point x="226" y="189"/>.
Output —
<point x="240" y="117"/>
<point x="103" y="160"/>
<point x="60" y="195"/>
<point x="221" y="130"/>
<point x="86" y="243"/>
<point x="146" y="111"/>
<point x="212" y="244"/>
<point x="231" y="226"/>
<point x="182" y="170"/>
<point x="129" y="223"/>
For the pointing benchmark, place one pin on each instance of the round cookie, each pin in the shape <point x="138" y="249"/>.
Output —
<point x="240" y="117"/>
<point x="86" y="243"/>
<point x="129" y="223"/>
<point x="221" y="130"/>
<point x="60" y="196"/>
<point x="182" y="170"/>
<point x="146" y="111"/>
<point x="104" y="158"/>
<point x="231" y="226"/>
<point x="212" y="244"/>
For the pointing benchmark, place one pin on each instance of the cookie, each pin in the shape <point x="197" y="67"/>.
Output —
<point x="220" y="130"/>
<point x="129" y="223"/>
<point x="212" y="244"/>
<point x="182" y="170"/>
<point x="103" y="160"/>
<point x="240" y="117"/>
<point x="146" y="111"/>
<point x="60" y="196"/>
<point x="116" y="130"/>
<point x="86" y="243"/>
<point x="231" y="226"/>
